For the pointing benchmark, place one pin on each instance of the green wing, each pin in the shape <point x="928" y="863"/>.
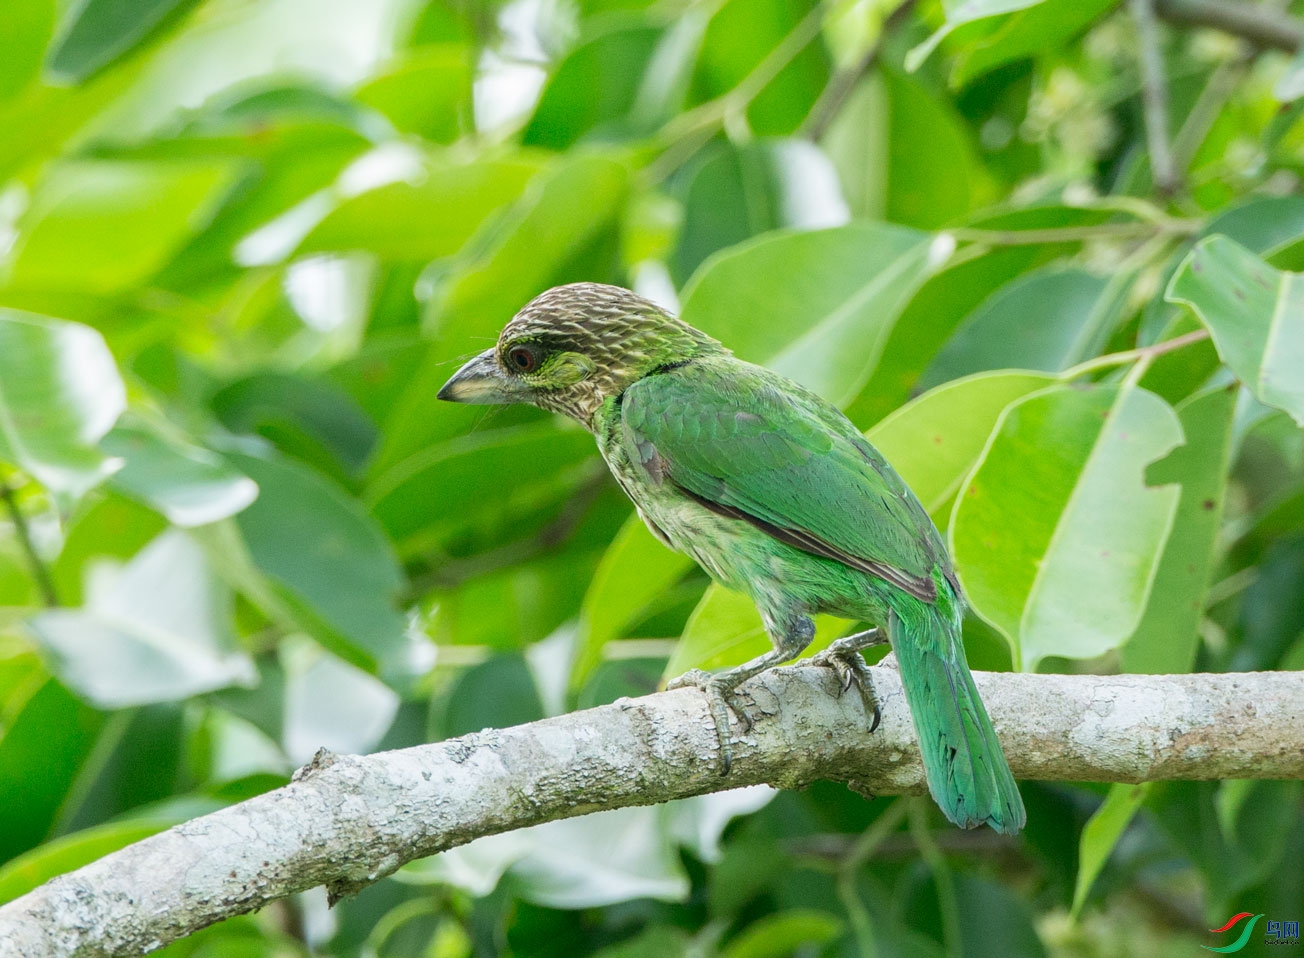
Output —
<point x="746" y="443"/>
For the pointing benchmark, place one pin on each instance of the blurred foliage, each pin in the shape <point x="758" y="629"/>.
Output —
<point x="244" y="243"/>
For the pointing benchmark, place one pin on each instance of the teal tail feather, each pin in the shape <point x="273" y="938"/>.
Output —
<point x="967" y="773"/>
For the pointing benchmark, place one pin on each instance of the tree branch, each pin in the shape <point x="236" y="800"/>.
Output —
<point x="347" y="821"/>
<point x="1256" y="22"/>
<point x="1154" y="97"/>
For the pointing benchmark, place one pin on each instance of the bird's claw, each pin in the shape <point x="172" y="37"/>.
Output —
<point x="851" y="669"/>
<point x="721" y="701"/>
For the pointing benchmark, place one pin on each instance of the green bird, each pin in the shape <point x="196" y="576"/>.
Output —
<point x="775" y="494"/>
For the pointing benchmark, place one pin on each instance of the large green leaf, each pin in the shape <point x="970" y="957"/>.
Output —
<point x="594" y="88"/>
<point x="431" y="216"/>
<point x="934" y="441"/>
<point x="1253" y="313"/>
<point x="189" y="485"/>
<point x="479" y="478"/>
<point x="731" y="193"/>
<point x="1168" y="637"/>
<point x="156" y="630"/>
<point x="740" y="36"/>
<point x="325" y="559"/>
<point x="427" y="91"/>
<point x="634" y="572"/>
<point x="1025" y="33"/>
<point x="565" y="212"/>
<point x="958" y="13"/>
<point x="101" y="31"/>
<point x="783" y="933"/>
<point x="60" y="392"/>
<point x="814" y="306"/>
<point x="102" y="226"/>
<point x="1101" y="835"/>
<point x="726" y="630"/>
<point x="1055" y="534"/>
<point x="26" y="28"/>
<point x="1047" y="319"/>
<point x="48" y="734"/>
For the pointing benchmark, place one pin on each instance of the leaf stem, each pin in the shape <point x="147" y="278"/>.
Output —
<point x="1073" y="234"/>
<point x="689" y="132"/>
<point x="39" y="570"/>
<point x="942" y="880"/>
<point x="1154" y="97"/>
<point x="1142" y="354"/>
<point x="860" y="852"/>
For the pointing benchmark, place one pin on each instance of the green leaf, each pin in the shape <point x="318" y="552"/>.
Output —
<point x="958" y="13"/>
<point x="1101" y="834"/>
<point x="62" y="855"/>
<point x="47" y="736"/>
<point x="189" y="485"/>
<point x="27" y="28"/>
<point x="935" y="311"/>
<point x="478" y="480"/>
<point x="784" y="933"/>
<point x="1047" y="319"/>
<point x="60" y="392"/>
<point x="565" y="212"/>
<point x="934" y="441"/>
<point x="726" y="630"/>
<point x="594" y="88"/>
<point x="426" y="91"/>
<point x="934" y="173"/>
<point x="732" y="193"/>
<point x="635" y="571"/>
<point x="156" y="630"/>
<point x="101" y="31"/>
<point x="430" y="217"/>
<point x="742" y="34"/>
<point x="1055" y="534"/>
<point x="149" y="208"/>
<point x="814" y="306"/>
<point x="1168" y="637"/>
<point x="326" y="559"/>
<point x="1253" y="313"/>
<point x="1044" y="26"/>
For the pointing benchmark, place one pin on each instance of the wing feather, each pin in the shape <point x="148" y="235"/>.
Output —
<point x="750" y="445"/>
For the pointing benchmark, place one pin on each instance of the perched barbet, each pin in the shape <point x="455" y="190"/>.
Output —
<point x="775" y="494"/>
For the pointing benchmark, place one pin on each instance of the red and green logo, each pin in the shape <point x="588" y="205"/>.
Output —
<point x="1239" y="943"/>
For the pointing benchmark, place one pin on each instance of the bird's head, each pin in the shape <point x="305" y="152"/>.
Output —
<point x="571" y="348"/>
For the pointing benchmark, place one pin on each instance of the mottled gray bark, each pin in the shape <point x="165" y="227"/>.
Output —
<point x="346" y="821"/>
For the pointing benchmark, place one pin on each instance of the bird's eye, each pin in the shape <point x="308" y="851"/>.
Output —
<point x="523" y="359"/>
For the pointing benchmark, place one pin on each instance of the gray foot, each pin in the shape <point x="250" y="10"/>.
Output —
<point x="843" y="656"/>
<point x="721" y="700"/>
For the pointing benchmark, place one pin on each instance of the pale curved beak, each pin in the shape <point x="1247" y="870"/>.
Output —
<point x="481" y="382"/>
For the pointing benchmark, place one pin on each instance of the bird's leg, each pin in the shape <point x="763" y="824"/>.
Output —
<point x="789" y="642"/>
<point x="843" y="656"/>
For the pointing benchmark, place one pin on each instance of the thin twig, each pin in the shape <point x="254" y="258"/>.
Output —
<point x="862" y="850"/>
<point x="1154" y="97"/>
<point x="1140" y="354"/>
<point x="39" y="571"/>
<point x="1256" y="22"/>
<point x="835" y="94"/>
<point x="688" y="132"/>
<point x="1072" y="234"/>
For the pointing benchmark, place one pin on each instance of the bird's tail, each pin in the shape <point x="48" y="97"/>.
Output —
<point x="967" y="773"/>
